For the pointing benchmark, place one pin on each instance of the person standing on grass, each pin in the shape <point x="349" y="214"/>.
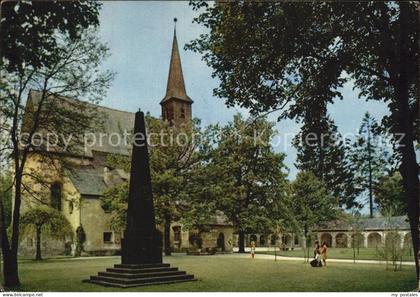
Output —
<point x="324" y="250"/>
<point x="252" y="249"/>
<point x="316" y="248"/>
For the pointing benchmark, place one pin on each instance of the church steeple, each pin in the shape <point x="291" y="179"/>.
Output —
<point x="176" y="105"/>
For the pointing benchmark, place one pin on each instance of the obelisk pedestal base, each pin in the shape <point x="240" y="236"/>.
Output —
<point x="138" y="250"/>
<point x="129" y="275"/>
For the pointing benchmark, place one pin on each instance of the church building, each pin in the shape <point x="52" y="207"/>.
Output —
<point x="77" y="192"/>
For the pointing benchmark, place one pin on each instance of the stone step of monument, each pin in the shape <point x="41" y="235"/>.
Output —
<point x="140" y="281"/>
<point x="139" y="266"/>
<point x="141" y="270"/>
<point x="142" y="274"/>
<point x="111" y="284"/>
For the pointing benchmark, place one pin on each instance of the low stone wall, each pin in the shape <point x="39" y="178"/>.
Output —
<point x="49" y="247"/>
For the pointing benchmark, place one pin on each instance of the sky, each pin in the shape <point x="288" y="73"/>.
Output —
<point x="139" y="35"/>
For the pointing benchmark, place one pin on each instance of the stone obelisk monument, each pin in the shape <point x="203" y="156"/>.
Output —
<point x="141" y="248"/>
<point x="142" y="243"/>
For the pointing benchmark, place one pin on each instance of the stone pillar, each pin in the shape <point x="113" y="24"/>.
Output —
<point x="402" y="236"/>
<point x="349" y="239"/>
<point x="365" y="239"/>
<point x="333" y="242"/>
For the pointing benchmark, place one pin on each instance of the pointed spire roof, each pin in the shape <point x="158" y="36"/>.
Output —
<point x="176" y="86"/>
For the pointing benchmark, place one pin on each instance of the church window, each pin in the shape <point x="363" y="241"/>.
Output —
<point x="56" y="195"/>
<point x="71" y="207"/>
<point x="107" y="237"/>
<point x="182" y="113"/>
<point x="177" y="233"/>
<point x="169" y="116"/>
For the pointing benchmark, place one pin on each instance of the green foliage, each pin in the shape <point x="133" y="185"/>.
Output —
<point x="52" y="222"/>
<point x="44" y="220"/>
<point x="389" y="194"/>
<point x="310" y="201"/>
<point x="311" y="204"/>
<point x="321" y="150"/>
<point x="272" y="55"/>
<point x="370" y="160"/>
<point x="391" y="251"/>
<point x="250" y="175"/>
<point x="31" y="30"/>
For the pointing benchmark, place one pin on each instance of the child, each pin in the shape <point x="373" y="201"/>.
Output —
<point x="252" y="249"/>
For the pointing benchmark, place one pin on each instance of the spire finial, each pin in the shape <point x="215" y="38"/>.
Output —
<point x="175" y="20"/>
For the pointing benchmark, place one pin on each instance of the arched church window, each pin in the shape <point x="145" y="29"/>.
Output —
<point x="56" y="195"/>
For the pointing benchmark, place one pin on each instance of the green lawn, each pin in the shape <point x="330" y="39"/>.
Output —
<point x="342" y="253"/>
<point x="225" y="273"/>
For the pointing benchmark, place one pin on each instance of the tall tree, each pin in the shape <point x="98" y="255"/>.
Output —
<point x="45" y="220"/>
<point x="389" y="194"/>
<point x="311" y="204"/>
<point x="321" y="150"/>
<point x="252" y="176"/>
<point x="369" y="157"/>
<point x="281" y="55"/>
<point x="48" y="120"/>
<point x="31" y="40"/>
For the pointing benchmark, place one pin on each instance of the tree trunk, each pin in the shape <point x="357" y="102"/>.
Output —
<point x="167" y="234"/>
<point x="38" y="256"/>
<point x="10" y="264"/>
<point x="10" y="269"/>
<point x="241" y="242"/>
<point x="307" y="244"/>
<point x="370" y="171"/>
<point x="409" y="168"/>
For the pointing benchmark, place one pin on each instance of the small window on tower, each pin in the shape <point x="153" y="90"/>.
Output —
<point x="182" y="113"/>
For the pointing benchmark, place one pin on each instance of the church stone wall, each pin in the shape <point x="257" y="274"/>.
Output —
<point x="95" y="223"/>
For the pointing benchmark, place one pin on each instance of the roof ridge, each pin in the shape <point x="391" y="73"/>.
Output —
<point x="87" y="102"/>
